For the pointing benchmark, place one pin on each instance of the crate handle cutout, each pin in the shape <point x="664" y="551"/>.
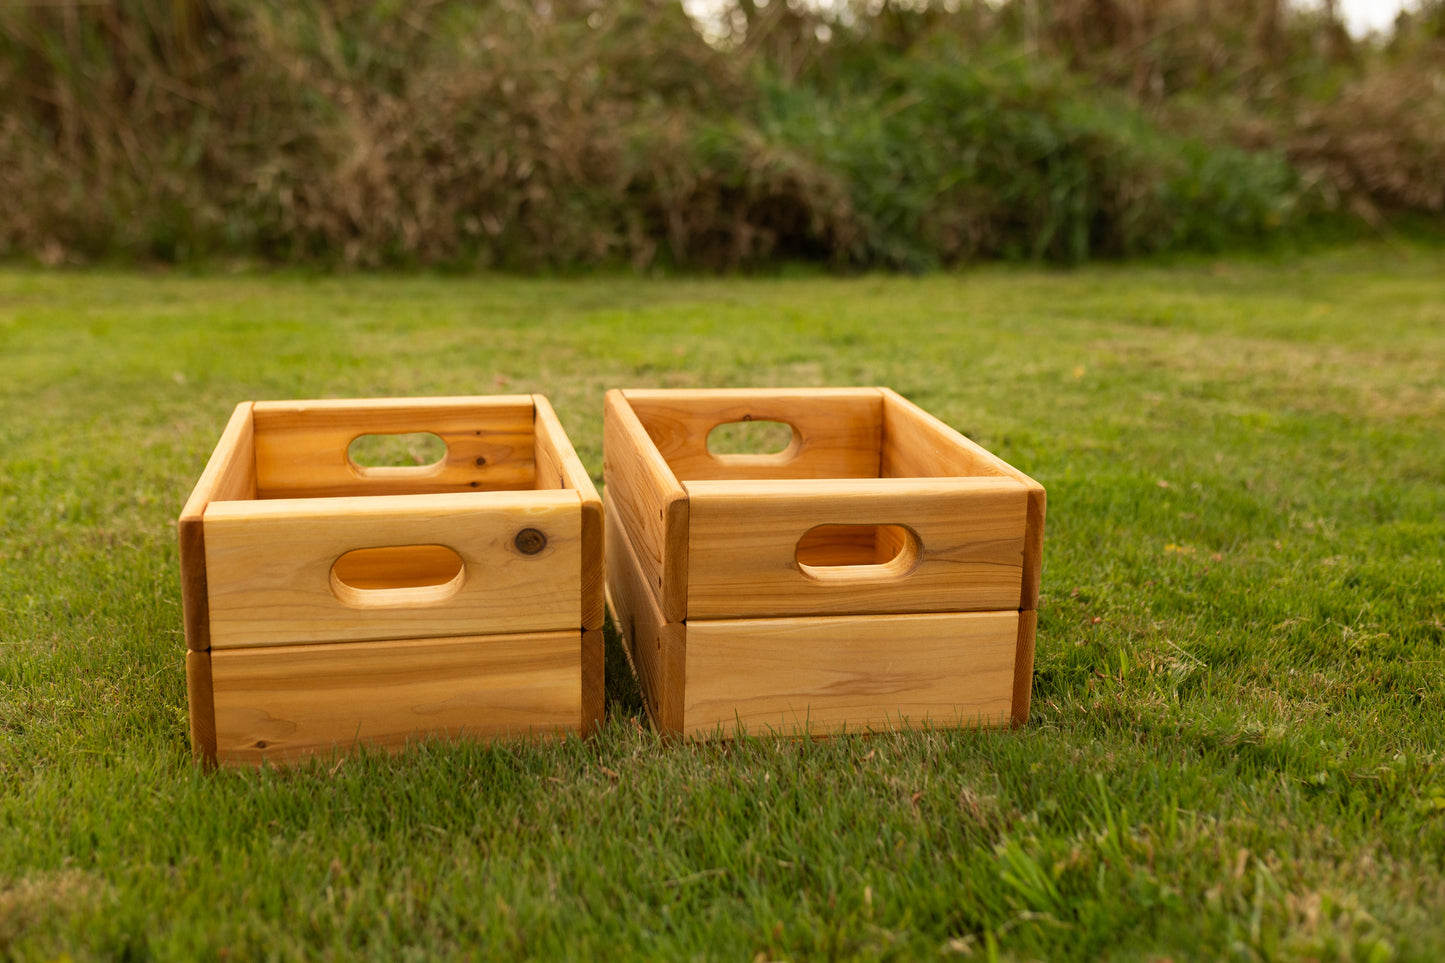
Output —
<point x="857" y="553"/>
<point x="397" y="575"/>
<point x="753" y="441"/>
<point x="396" y="454"/>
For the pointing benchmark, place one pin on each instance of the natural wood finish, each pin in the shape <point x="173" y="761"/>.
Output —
<point x="916" y="444"/>
<point x="559" y="467"/>
<point x="874" y="586"/>
<point x="819" y="675"/>
<point x="398" y="566"/>
<point x="230" y="473"/>
<point x="275" y="704"/>
<point x="1024" y="668"/>
<point x="658" y="646"/>
<point x="743" y="538"/>
<point x="835" y="430"/>
<point x="648" y="502"/>
<point x="269" y="567"/>
<point x="594" y="680"/>
<point x="301" y="446"/>
<point x="202" y="706"/>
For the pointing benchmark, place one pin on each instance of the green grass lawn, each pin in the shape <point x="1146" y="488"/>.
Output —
<point x="1237" y="747"/>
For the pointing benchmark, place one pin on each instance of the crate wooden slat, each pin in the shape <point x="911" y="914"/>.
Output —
<point x="743" y="536"/>
<point x="282" y="703"/>
<point x="891" y="581"/>
<point x="307" y="576"/>
<point x="301" y="446"/>
<point x="847" y="672"/>
<point x="270" y="565"/>
<point x="835" y="431"/>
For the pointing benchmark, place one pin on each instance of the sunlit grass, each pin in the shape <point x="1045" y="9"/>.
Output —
<point x="1235" y="750"/>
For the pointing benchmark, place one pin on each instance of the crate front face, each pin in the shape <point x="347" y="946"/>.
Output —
<point x="873" y="508"/>
<point x="854" y="547"/>
<point x="286" y="571"/>
<point x="812" y="675"/>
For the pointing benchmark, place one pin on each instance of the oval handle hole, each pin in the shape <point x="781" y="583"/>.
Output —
<point x="855" y="553"/>
<point x="397" y="575"/>
<point x="752" y="440"/>
<point x="407" y="450"/>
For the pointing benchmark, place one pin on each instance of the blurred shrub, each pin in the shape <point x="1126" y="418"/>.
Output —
<point x="950" y="158"/>
<point x="530" y="134"/>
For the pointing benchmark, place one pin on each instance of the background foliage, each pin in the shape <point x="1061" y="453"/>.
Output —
<point x="578" y="132"/>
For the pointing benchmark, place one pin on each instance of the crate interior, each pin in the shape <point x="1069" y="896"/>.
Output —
<point x="859" y="434"/>
<point x="347" y="449"/>
<point x="795" y="436"/>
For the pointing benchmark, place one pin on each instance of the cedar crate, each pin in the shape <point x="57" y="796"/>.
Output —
<point x="327" y="604"/>
<point x="881" y="571"/>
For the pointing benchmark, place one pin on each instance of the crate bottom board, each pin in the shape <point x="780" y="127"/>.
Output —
<point x="816" y="675"/>
<point x="278" y="703"/>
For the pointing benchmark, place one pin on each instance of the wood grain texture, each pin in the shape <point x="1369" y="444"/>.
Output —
<point x="276" y="704"/>
<point x="594" y="680"/>
<point x="202" y="707"/>
<point x="269" y="567"/>
<point x="1024" y="668"/>
<point x="559" y="467"/>
<point x="648" y="502"/>
<point x="820" y="675"/>
<point x="302" y="446"/>
<point x="744" y="536"/>
<point x="230" y="473"/>
<point x="836" y="431"/>
<point x="916" y="444"/>
<point x="657" y="646"/>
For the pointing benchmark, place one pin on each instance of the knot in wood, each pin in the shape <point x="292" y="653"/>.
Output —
<point x="529" y="541"/>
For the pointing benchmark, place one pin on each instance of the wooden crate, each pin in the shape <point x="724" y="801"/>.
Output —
<point x="327" y="604"/>
<point x="880" y="571"/>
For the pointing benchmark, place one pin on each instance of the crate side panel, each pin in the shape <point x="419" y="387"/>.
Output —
<point x="270" y="567"/>
<point x="820" y="675"/>
<point x="656" y="645"/>
<point x="835" y="432"/>
<point x="969" y="536"/>
<point x="302" y="446"/>
<point x="276" y="704"/>
<point x="918" y="445"/>
<point x="648" y="502"/>
<point x="230" y="473"/>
